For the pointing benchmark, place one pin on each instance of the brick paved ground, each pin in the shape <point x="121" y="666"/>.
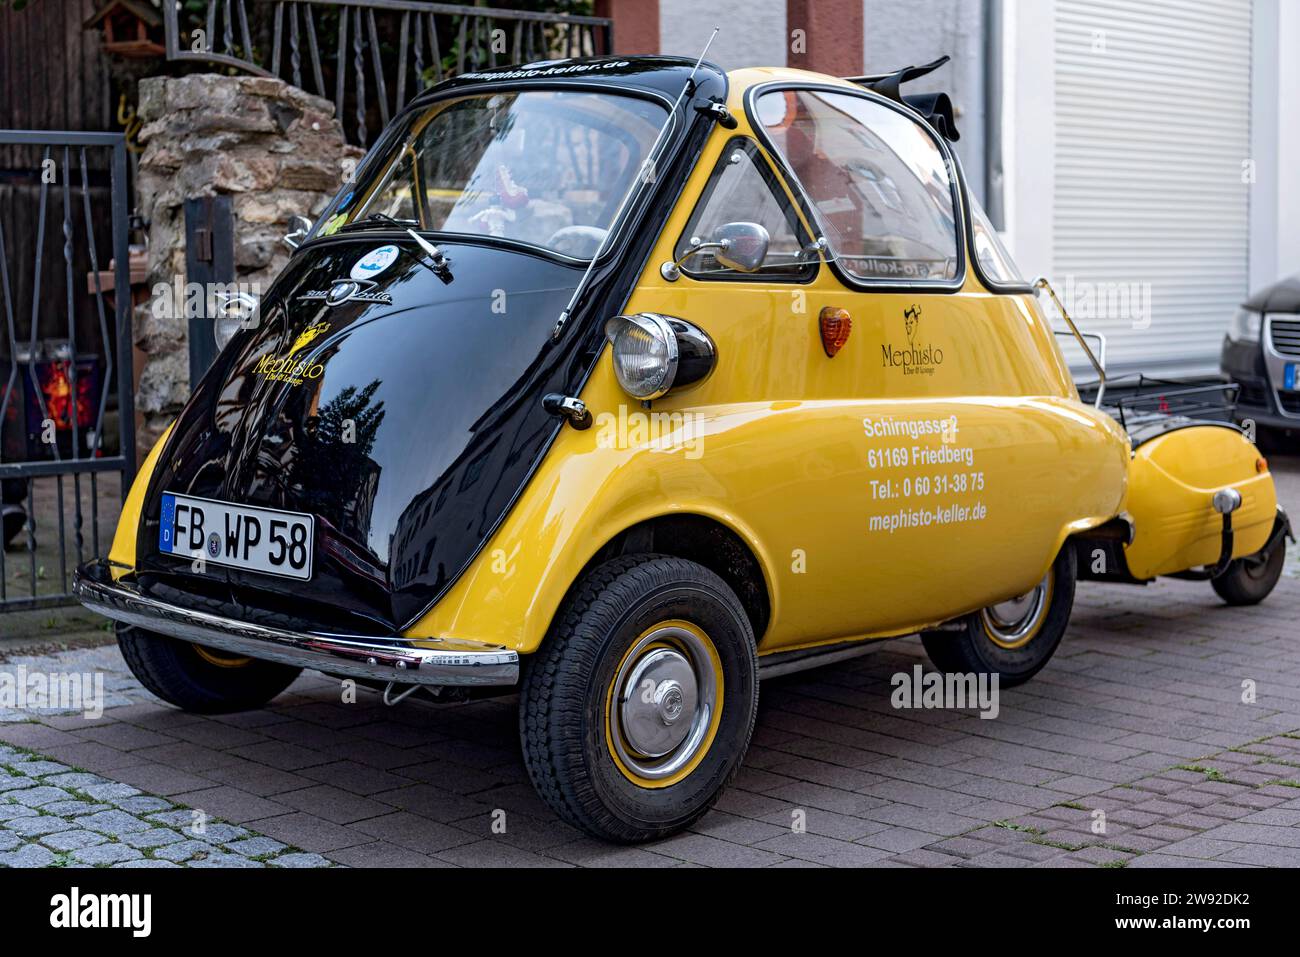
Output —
<point x="1140" y="717"/>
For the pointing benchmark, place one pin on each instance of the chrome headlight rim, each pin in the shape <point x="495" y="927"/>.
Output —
<point x="237" y="311"/>
<point x="660" y="328"/>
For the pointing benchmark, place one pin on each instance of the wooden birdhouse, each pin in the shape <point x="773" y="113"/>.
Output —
<point x="131" y="28"/>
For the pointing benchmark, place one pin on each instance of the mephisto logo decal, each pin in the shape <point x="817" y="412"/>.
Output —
<point x="920" y="357"/>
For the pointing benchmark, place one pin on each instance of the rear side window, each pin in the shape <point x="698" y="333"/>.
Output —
<point x="877" y="180"/>
<point x="743" y="188"/>
<point x="995" y="262"/>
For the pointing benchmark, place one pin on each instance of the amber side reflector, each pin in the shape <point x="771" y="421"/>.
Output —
<point x="835" y="328"/>
<point x="1261" y="465"/>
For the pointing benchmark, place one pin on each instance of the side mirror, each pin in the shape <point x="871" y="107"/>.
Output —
<point x="745" y="246"/>
<point x="299" y="227"/>
<point x="739" y="246"/>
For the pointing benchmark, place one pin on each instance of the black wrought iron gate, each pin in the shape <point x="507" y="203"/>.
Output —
<point x="67" y="420"/>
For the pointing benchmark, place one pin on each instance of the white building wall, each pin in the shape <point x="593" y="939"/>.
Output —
<point x="905" y="34"/>
<point x="749" y="34"/>
<point x="1030" y="136"/>
<point x="1029" y="131"/>
<point x="1275" y="143"/>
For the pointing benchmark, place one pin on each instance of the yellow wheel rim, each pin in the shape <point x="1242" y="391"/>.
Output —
<point x="664" y="704"/>
<point x="220" y="659"/>
<point x="1016" y="622"/>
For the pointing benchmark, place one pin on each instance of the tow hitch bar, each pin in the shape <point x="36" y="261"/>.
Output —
<point x="1225" y="502"/>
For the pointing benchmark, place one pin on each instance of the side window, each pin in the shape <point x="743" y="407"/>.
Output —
<point x="995" y="262"/>
<point x="743" y="188"/>
<point x="878" y="181"/>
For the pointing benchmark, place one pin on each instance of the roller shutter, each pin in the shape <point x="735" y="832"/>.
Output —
<point x="1152" y="131"/>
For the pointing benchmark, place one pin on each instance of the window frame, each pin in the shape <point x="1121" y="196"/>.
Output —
<point x="1026" y="286"/>
<point x="763" y="165"/>
<point x="956" y="185"/>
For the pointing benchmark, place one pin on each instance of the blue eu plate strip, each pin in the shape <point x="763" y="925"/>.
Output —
<point x="167" y="524"/>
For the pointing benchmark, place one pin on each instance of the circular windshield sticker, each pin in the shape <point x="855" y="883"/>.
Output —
<point x="374" y="262"/>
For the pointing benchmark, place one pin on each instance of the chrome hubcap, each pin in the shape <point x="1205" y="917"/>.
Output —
<point x="1011" y="620"/>
<point x="664" y="702"/>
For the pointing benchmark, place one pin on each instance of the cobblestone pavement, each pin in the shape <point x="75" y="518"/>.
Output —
<point x="53" y="816"/>
<point x="1139" y="716"/>
<point x="1167" y="716"/>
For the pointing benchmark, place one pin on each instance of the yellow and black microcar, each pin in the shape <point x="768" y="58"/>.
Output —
<point x="623" y="383"/>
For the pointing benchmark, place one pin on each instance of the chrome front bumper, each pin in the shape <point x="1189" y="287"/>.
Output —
<point x="433" y="661"/>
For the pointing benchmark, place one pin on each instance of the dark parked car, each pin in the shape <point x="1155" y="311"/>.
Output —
<point x="1261" y="352"/>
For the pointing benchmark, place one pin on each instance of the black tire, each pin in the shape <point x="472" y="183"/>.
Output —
<point x="12" y="520"/>
<point x="13" y="491"/>
<point x="1249" y="580"/>
<point x="974" y="649"/>
<point x="567" y="704"/>
<point x="184" y="675"/>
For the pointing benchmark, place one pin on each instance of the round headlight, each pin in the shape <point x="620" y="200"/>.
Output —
<point x="645" y="354"/>
<point x="238" y="311"/>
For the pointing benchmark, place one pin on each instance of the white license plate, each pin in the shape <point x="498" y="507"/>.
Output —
<point x="239" y="536"/>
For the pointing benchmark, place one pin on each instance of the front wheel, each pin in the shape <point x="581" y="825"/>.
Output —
<point x="637" y="710"/>
<point x="1013" y="639"/>
<point x="1249" y="580"/>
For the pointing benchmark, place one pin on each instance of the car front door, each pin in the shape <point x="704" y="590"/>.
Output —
<point x="892" y="481"/>
<point x="962" y="411"/>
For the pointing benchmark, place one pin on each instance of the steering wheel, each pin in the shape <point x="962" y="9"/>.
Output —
<point x="577" y="241"/>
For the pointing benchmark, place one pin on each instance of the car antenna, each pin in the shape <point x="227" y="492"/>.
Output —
<point x="645" y="175"/>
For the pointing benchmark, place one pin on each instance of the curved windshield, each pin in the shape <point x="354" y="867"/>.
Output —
<point x="547" y="168"/>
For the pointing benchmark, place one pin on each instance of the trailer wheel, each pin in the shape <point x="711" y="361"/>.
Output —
<point x="1249" y="580"/>
<point x="1012" y="639"/>
<point x="637" y="709"/>
<point x="198" y="679"/>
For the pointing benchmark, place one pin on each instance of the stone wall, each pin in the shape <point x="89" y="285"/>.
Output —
<point x="276" y="150"/>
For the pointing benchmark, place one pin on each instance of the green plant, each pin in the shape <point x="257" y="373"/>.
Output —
<point x="1012" y="826"/>
<point x="1213" y="774"/>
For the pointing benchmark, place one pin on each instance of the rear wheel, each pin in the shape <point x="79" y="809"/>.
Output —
<point x="638" y="708"/>
<point x="1249" y="580"/>
<point x="1013" y="639"/>
<point x="200" y="679"/>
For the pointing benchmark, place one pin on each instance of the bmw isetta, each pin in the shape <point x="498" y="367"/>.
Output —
<point x="624" y="383"/>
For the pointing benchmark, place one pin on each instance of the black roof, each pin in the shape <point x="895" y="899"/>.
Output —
<point x="1282" y="296"/>
<point x="665" y="75"/>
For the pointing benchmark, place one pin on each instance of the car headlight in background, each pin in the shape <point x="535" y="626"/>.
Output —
<point x="1245" y="325"/>
<point x="235" y="312"/>
<point x="654" y="353"/>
